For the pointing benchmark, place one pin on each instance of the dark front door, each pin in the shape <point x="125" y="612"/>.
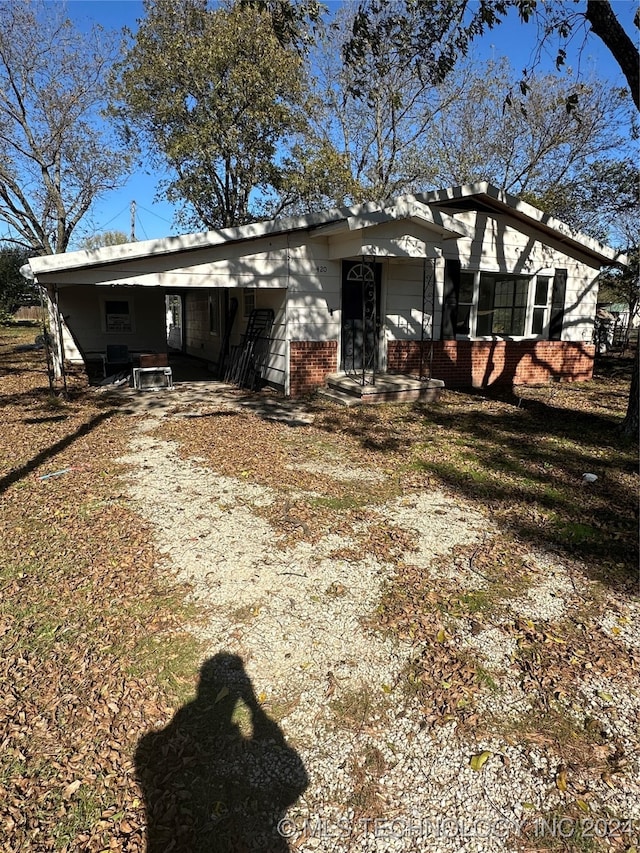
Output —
<point x="360" y="315"/>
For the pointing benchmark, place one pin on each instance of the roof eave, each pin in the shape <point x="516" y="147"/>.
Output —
<point x="503" y="201"/>
<point x="50" y="264"/>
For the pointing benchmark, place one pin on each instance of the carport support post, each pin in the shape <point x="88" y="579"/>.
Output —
<point x="58" y="353"/>
<point x="46" y="337"/>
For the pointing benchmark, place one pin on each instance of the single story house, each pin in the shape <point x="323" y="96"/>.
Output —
<point x="468" y="285"/>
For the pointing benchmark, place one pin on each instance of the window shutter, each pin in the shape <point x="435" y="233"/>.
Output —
<point x="558" y="293"/>
<point x="450" y="299"/>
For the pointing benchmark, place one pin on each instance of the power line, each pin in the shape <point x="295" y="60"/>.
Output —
<point x="142" y="228"/>
<point x="104" y="225"/>
<point x="157" y="215"/>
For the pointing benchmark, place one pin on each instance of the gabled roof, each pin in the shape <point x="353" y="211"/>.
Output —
<point x="484" y="196"/>
<point x="435" y="211"/>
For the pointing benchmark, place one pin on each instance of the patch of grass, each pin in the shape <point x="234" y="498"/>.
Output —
<point x="171" y="659"/>
<point x="339" y="503"/>
<point x="76" y="816"/>
<point x="246" y="613"/>
<point x="487" y="679"/>
<point x="521" y="460"/>
<point x="550" y="728"/>
<point x="242" y="717"/>
<point x="577" y="533"/>
<point x="476" y="601"/>
<point x="354" y="709"/>
<point x="366" y="769"/>
<point x="575" y="829"/>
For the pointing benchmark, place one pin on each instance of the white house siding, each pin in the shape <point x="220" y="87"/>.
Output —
<point x="315" y="284"/>
<point x="580" y="302"/>
<point x="403" y="316"/>
<point x="400" y="239"/>
<point x="83" y="310"/>
<point x="501" y="247"/>
<point x="299" y="274"/>
<point x="314" y="294"/>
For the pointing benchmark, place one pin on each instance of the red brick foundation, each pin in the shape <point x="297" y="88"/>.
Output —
<point x="309" y="364"/>
<point x="478" y="364"/>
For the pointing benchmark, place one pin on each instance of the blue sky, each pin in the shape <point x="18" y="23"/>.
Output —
<point x="154" y="218"/>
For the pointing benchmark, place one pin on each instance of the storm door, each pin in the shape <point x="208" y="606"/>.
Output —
<point x="360" y="316"/>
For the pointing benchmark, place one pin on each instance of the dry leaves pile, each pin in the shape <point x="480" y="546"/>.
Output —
<point x="90" y="639"/>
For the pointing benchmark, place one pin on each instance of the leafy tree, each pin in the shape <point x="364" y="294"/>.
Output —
<point x="435" y="35"/>
<point x="217" y="99"/>
<point x="56" y="157"/>
<point x="106" y="238"/>
<point x="377" y="114"/>
<point x="402" y="131"/>
<point x="14" y="289"/>
<point x="534" y="148"/>
<point x="294" y="22"/>
<point x="601" y="199"/>
<point x="315" y="177"/>
<point x="460" y="21"/>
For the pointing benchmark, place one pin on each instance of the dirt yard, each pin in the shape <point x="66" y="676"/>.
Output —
<point x="235" y="623"/>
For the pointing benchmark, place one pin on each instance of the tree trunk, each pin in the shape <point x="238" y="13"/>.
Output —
<point x="605" y="25"/>
<point x="630" y="426"/>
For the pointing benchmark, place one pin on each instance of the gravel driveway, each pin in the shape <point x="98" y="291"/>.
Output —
<point x="295" y="616"/>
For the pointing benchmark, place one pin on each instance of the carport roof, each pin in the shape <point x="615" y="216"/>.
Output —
<point x="334" y="221"/>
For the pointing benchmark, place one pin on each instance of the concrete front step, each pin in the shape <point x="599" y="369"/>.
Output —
<point x="388" y="388"/>
<point x="339" y="397"/>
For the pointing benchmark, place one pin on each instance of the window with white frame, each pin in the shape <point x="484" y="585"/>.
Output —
<point x="540" y="316"/>
<point x="465" y="303"/>
<point x="501" y="305"/>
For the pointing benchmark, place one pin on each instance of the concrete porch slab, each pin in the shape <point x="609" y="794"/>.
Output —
<point x="386" y="388"/>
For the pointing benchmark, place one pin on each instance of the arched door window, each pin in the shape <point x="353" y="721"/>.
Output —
<point x="360" y="310"/>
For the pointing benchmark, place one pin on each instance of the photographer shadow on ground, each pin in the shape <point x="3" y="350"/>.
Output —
<point x="220" y="776"/>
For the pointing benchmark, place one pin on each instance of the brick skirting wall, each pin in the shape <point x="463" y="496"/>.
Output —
<point x="478" y="364"/>
<point x="309" y="364"/>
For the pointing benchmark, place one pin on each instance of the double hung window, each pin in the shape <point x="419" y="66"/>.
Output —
<point x="540" y="304"/>
<point x="502" y="305"/>
<point x="248" y="301"/>
<point x="465" y="303"/>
